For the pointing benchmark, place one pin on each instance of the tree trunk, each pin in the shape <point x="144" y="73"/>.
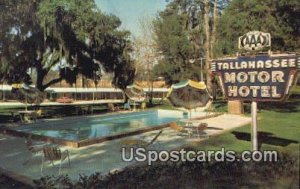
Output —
<point x="214" y="26"/>
<point x="207" y="46"/>
<point x="40" y="75"/>
<point x="151" y="93"/>
<point x="212" y="44"/>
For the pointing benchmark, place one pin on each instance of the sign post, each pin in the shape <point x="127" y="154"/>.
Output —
<point x="254" y="126"/>
<point x="256" y="77"/>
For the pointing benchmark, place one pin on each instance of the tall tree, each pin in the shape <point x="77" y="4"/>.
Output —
<point x="216" y="12"/>
<point x="180" y="41"/>
<point x="146" y="53"/>
<point x="280" y="18"/>
<point x="72" y="37"/>
<point x="196" y="20"/>
<point x="207" y="45"/>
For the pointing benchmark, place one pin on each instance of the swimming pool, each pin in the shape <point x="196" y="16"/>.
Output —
<point x="82" y="131"/>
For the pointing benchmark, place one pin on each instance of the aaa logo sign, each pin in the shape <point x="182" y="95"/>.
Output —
<point x="254" y="40"/>
<point x="260" y="78"/>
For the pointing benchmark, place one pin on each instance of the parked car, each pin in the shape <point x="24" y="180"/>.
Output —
<point x="64" y="100"/>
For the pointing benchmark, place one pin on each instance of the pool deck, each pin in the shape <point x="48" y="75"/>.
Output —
<point x="103" y="157"/>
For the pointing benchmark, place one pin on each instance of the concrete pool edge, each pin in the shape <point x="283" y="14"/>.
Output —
<point x="82" y="143"/>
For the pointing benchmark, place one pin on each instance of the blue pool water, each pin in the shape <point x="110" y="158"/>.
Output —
<point x="77" y="129"/>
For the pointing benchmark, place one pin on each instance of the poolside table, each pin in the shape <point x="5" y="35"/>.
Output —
<point x="189" y="122"/>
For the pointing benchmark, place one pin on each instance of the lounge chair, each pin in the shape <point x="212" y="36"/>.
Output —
<point x="189" y="129"/>
<point x="179" y="129"/>
<point x="52" y="154"/>
<point x="142" y="143"/>
<point x="154" y="139"/>
<point x="176" y="127"/>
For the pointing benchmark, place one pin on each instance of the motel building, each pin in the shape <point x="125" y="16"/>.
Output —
<point x="80" y="94"/>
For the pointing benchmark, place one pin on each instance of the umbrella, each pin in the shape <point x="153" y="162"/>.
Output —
<point x="135" y="93"/>
<point x="189" y="95"/>
<point x="27" y="94"/>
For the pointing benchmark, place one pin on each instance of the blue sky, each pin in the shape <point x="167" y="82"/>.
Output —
<point x="130" y="11"/>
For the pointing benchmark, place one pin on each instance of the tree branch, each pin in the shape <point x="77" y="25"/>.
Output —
<point x="51" y="83"/>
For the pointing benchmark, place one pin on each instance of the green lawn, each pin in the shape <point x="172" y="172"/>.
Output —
<point x="279" y="126"/>
<point x="280" y="120"/>
<point x="279" y="129"/>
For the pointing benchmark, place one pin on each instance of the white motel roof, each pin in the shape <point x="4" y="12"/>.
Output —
<point x="82" y="90"/>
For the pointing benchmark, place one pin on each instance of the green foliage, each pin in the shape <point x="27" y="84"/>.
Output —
<point x="179" y="39"/>
<point x="280" y="18"/>
<point x="72" y="36"/>
<point x="208" y="174"/>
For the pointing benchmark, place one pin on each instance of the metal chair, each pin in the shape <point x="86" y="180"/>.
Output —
<point x="52" y="154"/>
<point x="111" y="107"/>
<point x="33" y="149"/>
<point x="36" y="114"/>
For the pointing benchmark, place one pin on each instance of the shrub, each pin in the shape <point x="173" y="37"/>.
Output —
<point x="212" y="174"/>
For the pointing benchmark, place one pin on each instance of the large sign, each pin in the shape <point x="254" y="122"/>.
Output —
<point x="254" y="40"/>
<point x="257" y="78"/>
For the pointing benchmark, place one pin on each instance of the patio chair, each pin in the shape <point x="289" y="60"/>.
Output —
<point x="127" y="106"/>
<point x="33" y="149"/>
<point x="142" y="143"/>
<point x="201" y="129"/>
<point x="111" y="107"/>
<point x="52" y="154"/>
<point x="37" y="114"/>
<point x="14" y="117"/>
<point x="198" y="129"/>
<point x="143" y="105"/>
